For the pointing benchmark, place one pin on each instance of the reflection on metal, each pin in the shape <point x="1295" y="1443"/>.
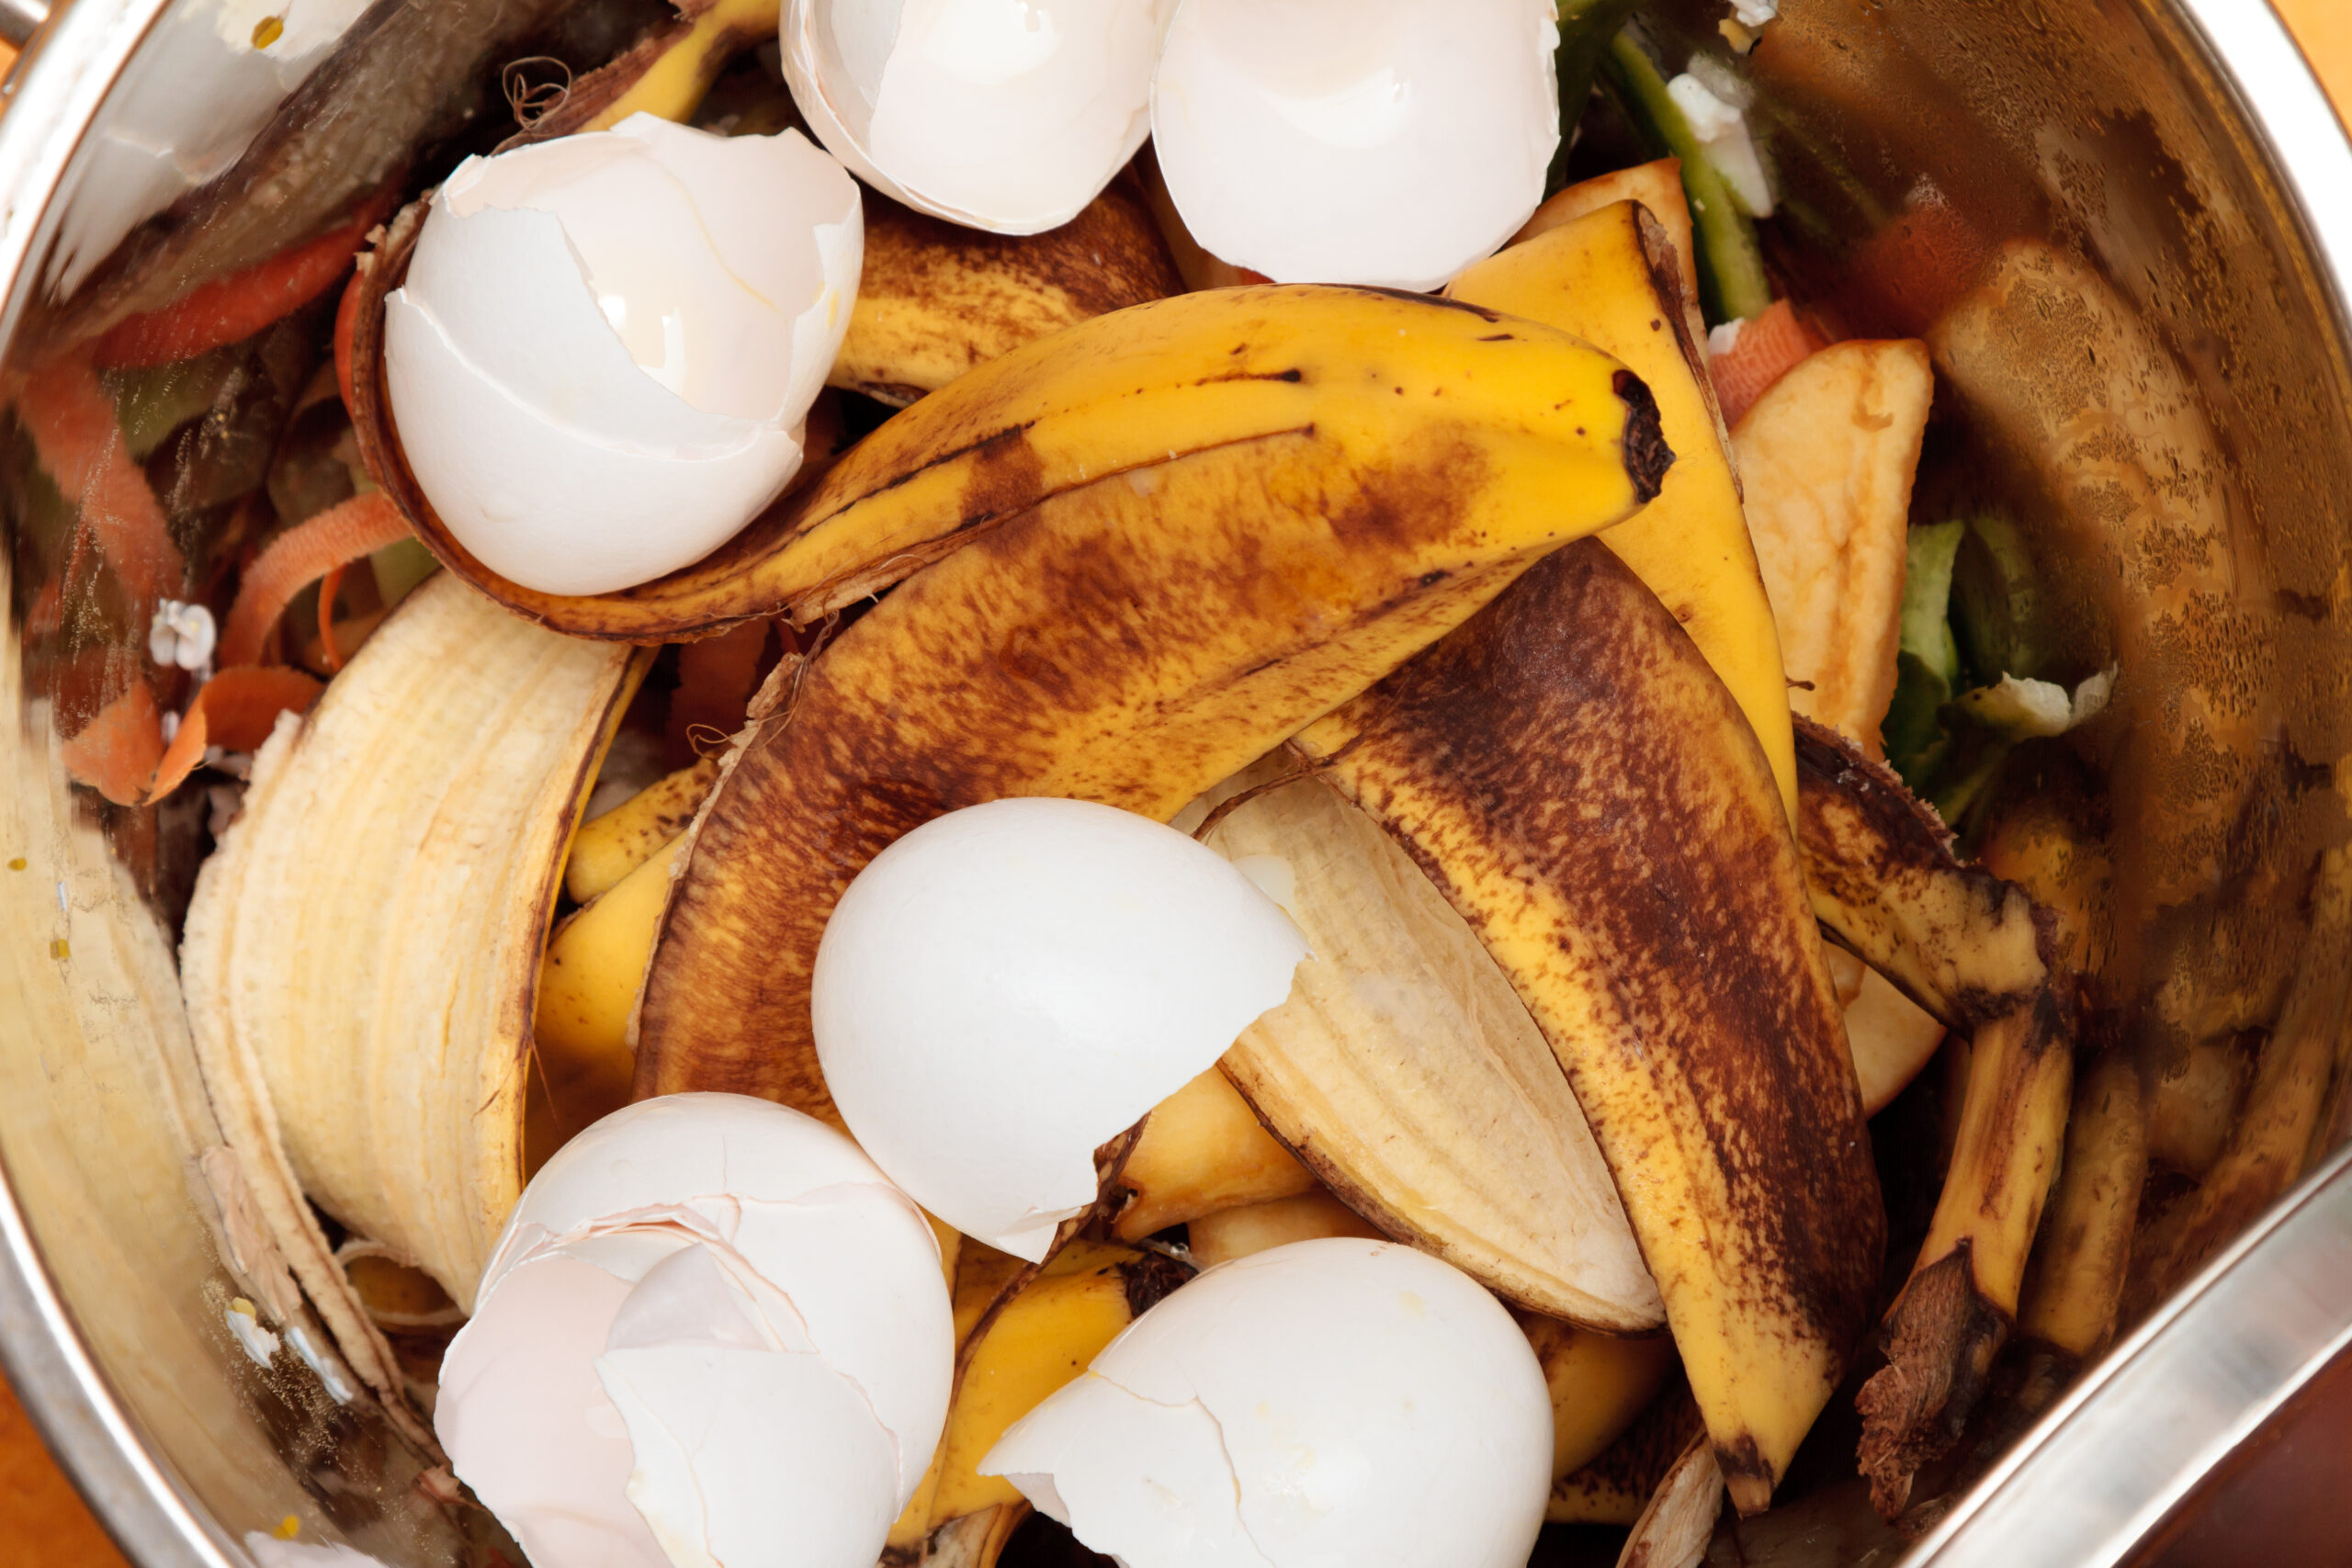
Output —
<point x="2133" y="1437"/>
<point x="2121" y="133"/>
<point x="20" y="19"/>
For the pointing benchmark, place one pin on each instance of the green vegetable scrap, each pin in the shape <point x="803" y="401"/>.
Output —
<point x="1732" y="285"/>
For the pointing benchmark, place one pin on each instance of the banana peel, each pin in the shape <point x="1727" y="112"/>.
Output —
<point x="411" y="830"/>
<point x="1617" y="1484"/>
<point x="1976" y="951"/>
<point x="1409" y="1076"/>
<point x="1373" y="376"/>
<point x="1202" y="1150"/>
<point x="1614" y="277"/>
<point x="608" y="848"/>
<point x="1138" y="637"/>
<point x="1259" y="1228"/>
<point x="936" y="299"/>
<point x="1574" y="778"/>
<point x="1021" y="1333"/>
<point x="1600" y="1384"/>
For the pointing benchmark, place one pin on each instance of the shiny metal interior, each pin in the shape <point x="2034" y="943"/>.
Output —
<point x="2177" y="147"/>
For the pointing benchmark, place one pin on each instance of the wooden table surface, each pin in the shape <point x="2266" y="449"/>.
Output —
<point x="42" y="1520"/>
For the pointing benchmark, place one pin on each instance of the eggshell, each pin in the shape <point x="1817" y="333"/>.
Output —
<point x="1331" y="1400"/>
<point x="711" y="1332"/>
<point x="604" y="346"/>
<point x="1011" y="986"/>
<point x="1376" y="141"/>
<point x="1006" y="115"/>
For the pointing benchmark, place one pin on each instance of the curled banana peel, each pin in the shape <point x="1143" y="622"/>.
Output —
<point x="609" y="847"/>
<point x="1202" y="1150"/>
<point x="1021" y="1333"/>
<point x="1600" y="1384"/>
<point x="1133" y="639"/>
<point x="1679" y="1520"/>
<point x="1974" y="951"/>
<point x="1615" y="1486"/>
<point x="1409" y="1076"/>
<point x="1581" y="787"/>
<point x="1306" y="1217"/>
<point x="1376" y="382"/>
<point x="378" y="1063"/>
<point x="1613" y="277"/>
<point x="937" y="300"/>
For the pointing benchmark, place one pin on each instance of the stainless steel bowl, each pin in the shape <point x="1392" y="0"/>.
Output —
<point x="2179" y="147"/>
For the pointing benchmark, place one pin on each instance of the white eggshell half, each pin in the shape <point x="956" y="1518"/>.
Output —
<point x="711" y="1332"/>
<point x="1011" y="986"/>
<point x="1004" y="115"/>
<point x="1374" y="141"/>
<point x="527" y="1425"/>
<point x="605" y="345"/>
<point x="1333" y="1401"/>
<point x="752" y="1460"/>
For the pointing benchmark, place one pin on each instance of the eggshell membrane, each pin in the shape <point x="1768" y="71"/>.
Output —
<point x="964" y="110"/>
<point x="1371" y="1405"/>
<point x="1374" y="141"/>
<point x="1011" y="986"/>
<point x="712" y="1315"/>
<point x="546" y="448"/>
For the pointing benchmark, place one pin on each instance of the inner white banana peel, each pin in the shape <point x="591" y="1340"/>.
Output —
<point x="362" y="952"/>
<point x="1406" y="1073"/>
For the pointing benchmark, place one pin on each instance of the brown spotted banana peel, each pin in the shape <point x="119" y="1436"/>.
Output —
<point x="936" y="299"/>
<point x="1372" y="374"/>
<point x="1135" y="640"/>
<point x="1976" y="951"/>
<point x="1612" y="277"/>
<point x="1577" y="782"/>
<point x="363" y="949"/>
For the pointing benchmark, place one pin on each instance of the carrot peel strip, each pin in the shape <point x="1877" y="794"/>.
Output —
<point x="300" y="555"/>
<point x="116" y="753"/>
<point x="80" y="444"/>
<point x="1769" y="347"/>
<point x="235" y="710"/>
<point x="229" y="310"/>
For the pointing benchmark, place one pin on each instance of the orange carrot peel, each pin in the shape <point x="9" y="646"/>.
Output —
<point x="1769" y="347"/>
<point x="229" y="310"/>
<point x="116" y="752"/>
<point x="301" y="556"/>
<point x="79" y="442"/>
<point x="236" y="711"/>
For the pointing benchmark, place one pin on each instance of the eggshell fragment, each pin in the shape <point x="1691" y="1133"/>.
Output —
<point x="1011" y="986"/>
<point x="1331" y="1400"/>
<point x="711" y="1332"/>
<point x="1004" y="115"/>
<point x="605" y="345"/>
<point x="1378" y="141"/>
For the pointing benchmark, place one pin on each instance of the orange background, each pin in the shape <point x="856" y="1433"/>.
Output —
<point x="42" y="1520"/>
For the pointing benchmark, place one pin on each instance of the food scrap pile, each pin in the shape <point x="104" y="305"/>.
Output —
<point x="1112" y="759"/>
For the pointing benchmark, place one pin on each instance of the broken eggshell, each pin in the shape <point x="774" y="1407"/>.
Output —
<point x="605" y="346"/>
<point x="1003" y="115"/>
<point x="712" y="1331"/>
<point x="1011" y="986"/>
<point x="1373" y="142"/>
<point x="1331" y="1401"/>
